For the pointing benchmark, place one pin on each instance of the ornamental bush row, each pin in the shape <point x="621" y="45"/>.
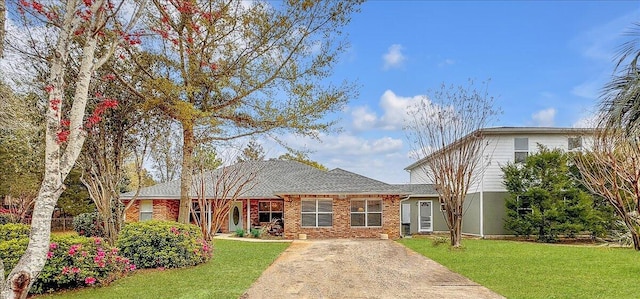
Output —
<point x="77" y="261"/>
<point x="72" y="261"/>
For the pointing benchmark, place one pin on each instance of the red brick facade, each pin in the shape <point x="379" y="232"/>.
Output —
<point x="163" y="209"/>
<point x="341" y="227"/>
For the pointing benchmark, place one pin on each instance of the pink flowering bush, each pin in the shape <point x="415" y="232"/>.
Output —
<point x="72" y="261"/>
<point x="163" y="244"/>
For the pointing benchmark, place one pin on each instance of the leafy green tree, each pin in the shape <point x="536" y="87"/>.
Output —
<point x="21" y="151"/>
<point x="252" y="152"/>
<point x="227" y="69"/>
<point x="302" y="158"/>
<point x="75" y="199"/>
<point x="546" y="199"/>
<point x="131" y="181"/>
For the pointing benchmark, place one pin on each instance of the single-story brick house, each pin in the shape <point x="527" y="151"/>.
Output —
<point x="320" y="204"/>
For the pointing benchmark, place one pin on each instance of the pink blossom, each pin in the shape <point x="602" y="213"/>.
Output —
<point x="53" y="246"/>
<point x="75" y="270"/>
<point x="74" y="248"/>
<point x="49" y="255"/>
<point x="132" y="267"/>
<point x="89" y="280"/>
<point x="97" y="241"/>
<point x="84" y="253"/>
<point x="65" y="270"/>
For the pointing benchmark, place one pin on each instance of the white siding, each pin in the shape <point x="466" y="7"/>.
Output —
<point x="500" y="151"/>
<point x="418" y="175"/>
<point x="503" y="153"/>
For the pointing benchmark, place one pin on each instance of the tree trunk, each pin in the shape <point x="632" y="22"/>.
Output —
<point x="23" y="275"/>
<point x="456" y="230"/>
<point x="58" y="162"/>
<point x="186" y="178"/>
<point x="635" y="236"/>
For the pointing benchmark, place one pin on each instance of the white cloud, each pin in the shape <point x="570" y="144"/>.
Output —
<point x="544" y="118"/>
<point x="598" y="45"/>
<point x="363" y="118"/>
<point x="379" y="157"/>
<point x="395" y="109"/>
<point x="590" y="89"/>
<point x="600" y="42"/>
<point x="394" y="112"/>
<point x="394" y="57"/>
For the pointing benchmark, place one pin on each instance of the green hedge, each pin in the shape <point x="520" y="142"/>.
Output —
<point x="11" y="231"/>
<point x="163" y="244"/>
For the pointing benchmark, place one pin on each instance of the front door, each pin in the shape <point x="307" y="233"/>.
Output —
<point x="235" y="216"/>
<point x="425" y="223"/>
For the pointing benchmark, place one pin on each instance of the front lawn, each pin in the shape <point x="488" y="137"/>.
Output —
<point x="534" y="270"/>
<point x="234" y="267"/>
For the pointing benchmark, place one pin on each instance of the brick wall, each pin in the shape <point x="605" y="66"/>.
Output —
<point x="163" y="209"/>
<point x="341" y="227"/>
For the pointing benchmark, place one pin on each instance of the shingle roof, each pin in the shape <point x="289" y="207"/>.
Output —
<point x="275" y="177"/>
<point x="340" y="181"/>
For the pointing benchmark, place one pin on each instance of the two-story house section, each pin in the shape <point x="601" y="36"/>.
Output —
<point x="484" y="206"/>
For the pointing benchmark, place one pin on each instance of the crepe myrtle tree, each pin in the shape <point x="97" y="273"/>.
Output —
<point x="226" y="69"/>
<point x="447" y="139"/>
<point x="85" y="34"/>
<point x="217" y="189"/>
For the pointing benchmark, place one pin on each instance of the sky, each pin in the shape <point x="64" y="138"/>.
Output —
<point x="546" y="62"/>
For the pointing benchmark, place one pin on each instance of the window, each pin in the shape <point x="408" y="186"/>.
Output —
<point x="366" y="212"/>
<point x="317" y="212"/>
<point x="146" y="210"/>
<point x="521" y="149"/>
<point x="270" y="210"/>
<point x="575" y="143"/>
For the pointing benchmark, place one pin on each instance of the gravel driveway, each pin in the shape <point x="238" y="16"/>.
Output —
<point x="360" y="269"/>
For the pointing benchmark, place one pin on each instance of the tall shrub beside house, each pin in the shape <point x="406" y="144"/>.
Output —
<point x="546" y="199"/>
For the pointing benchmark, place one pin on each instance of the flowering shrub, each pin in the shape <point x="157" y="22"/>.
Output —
<point x="163" y="244"/>
<point x="72" y="261"/>
<point x="86" y="224"/>
<point x="11" y="231"/>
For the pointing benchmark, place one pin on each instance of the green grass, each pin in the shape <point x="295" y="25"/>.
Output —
<point x="533" y="270"/>
<point x="234" y="267"/>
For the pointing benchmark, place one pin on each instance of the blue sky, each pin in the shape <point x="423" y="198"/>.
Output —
<point x="546" y="61"/>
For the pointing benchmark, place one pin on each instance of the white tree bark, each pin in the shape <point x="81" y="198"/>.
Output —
<point x="60" y="154"/>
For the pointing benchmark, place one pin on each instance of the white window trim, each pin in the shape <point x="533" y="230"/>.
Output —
<point x="515" y="151"/>
<point x="366" y="213"/>
<point x="420" y="229"/>
<point x="316" y="213"/>
<point x="150" y="203"/>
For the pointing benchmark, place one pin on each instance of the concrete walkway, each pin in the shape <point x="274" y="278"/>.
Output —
<point x="360" y="269"/>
